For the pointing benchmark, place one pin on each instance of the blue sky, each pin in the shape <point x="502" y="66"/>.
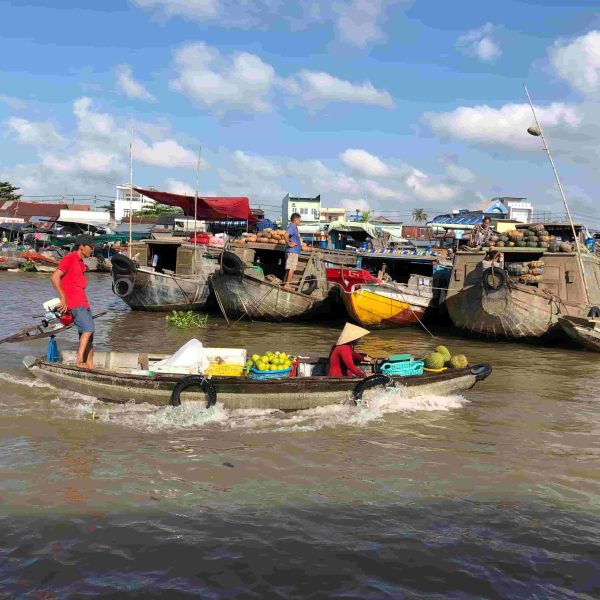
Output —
<point x="391" y="104"/>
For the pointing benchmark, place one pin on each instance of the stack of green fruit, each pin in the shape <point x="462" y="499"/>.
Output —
<point x="270" y="361"/>
<point x="442" y="357"/>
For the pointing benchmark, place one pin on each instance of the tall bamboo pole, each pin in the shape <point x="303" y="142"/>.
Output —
<point x="130" y="192"/>
<point x="560" y="188"/>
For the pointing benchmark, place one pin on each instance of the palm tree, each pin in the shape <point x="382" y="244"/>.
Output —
<point x="365" y="215"/>
<point x="419" y="215"/>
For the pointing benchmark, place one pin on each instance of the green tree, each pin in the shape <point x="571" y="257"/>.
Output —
<point x="157" y="209"/>
<point x="365" y="215"/>
<point x="110" y="207"/>
<point x="7" y="191"/>
<point x="419" y="215"/>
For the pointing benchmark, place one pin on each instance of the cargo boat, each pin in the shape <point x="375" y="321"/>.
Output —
<point x="112" y="380"/>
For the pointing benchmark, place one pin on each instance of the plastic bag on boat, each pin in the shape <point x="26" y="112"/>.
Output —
<point x="190" y="358"/>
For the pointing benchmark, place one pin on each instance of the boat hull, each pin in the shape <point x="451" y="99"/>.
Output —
<point x="153" y="291"/>
<point x="260" y="300"/>
<point x="239" y="393"/>
<point x="379" y="307"/>
<point x="582" y="331"/>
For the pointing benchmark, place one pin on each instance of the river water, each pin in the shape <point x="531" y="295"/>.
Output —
<point x="491" y="494"/>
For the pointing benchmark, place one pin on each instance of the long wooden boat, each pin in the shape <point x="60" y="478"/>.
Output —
<point x="165" y="275"/>
<point x="250" y="283"/>
<point x="495" y="303"/>
<point x="407" y="289"/>
<point x="112" y="381"/>
<point x="584" y="331"/>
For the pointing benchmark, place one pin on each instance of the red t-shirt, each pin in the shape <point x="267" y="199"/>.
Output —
<point x="73" y="281"/>
<point x="341" y="362"/>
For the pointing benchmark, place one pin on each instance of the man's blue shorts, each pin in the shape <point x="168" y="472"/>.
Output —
<point x="83" y="319"/>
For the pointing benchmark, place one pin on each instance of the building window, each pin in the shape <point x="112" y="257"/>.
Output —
<point x="304" y="211"/>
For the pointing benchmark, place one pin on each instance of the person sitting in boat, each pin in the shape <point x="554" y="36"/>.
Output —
<point x="480" y="236"/>
<point x="343" y="357"/>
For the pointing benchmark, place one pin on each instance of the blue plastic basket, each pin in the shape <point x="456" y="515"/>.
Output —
<point x="279" y="374"/>
<point x="402" y="369"/>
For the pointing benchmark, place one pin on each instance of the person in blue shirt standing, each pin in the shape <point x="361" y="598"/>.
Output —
<point x="293" y="246"/>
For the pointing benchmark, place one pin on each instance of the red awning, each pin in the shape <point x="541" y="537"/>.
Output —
<point x="209" y="209"/>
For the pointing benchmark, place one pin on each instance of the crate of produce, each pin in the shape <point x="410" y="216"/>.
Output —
<point x="278" y="374"/>
<point x="225" y="370"/>
<point x="402" y="368"/>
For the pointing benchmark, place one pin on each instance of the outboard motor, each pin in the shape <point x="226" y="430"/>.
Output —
<point x="52" y="314"/>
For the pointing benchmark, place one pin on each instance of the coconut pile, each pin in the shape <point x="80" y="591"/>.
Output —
<point x="527" y="272"/>
<point x="441" y="358"/>
<point x="270" y="236"/>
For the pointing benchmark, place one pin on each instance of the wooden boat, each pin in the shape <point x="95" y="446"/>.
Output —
<point x="496" y="303"/>
<point x="250" y="283"/>
<point x="406" y="290"/>
<point x="585" y="331"/>
<point x="111" y="380"/>
<point x="165" y="275"/>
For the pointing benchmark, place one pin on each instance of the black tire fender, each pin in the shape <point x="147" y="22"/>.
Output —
<point x="232" y="264"/>
<point x="494" y="279"/>
<point x="123" y="287"/>
<point x="312" y="282"/>
<point x="594" y="312"/>
<point x="194" y="381"/>
<point x="481" y="371"/>
<point x="377" y="380"/>
<point x="122" y="265"/>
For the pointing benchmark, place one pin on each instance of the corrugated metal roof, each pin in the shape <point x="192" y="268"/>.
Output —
<point x="468" y="220"/>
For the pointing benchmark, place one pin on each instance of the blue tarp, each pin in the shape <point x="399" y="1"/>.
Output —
<point x="457" y="220"/>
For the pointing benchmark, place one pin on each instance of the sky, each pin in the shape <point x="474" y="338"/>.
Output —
<point x="390" y="105"/>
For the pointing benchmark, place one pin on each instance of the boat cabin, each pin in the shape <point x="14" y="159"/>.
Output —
<point x="173" y="256"/>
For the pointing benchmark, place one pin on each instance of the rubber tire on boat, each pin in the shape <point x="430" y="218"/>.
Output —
<point x="232" y="264"/>
<point x="377" y="380"/>
<point x="312" y="283"/>
<point x="122" y="265"/>
<point x="482" y="371"/>
<point x="594" y="312"/>
<point x="194" y="381"/>
<point x="499" y="274"/>
<point x="118" y="287"/>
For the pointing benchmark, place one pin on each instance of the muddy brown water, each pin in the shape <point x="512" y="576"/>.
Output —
<point x="494" y="493"/>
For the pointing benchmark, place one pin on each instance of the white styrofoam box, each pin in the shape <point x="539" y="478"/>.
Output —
<point x="231" y="356"/>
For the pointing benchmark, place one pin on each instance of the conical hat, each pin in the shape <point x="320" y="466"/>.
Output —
<point x="351" y="333"/>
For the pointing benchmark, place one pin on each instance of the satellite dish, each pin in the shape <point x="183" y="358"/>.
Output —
<point x="534" y="130"/>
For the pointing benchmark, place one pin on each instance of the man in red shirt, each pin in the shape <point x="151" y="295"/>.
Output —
<point x="70" y="283"/>
<point x="343" y="358"/>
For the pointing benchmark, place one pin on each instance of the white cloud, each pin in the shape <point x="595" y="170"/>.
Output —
<point x="480" y="43"/>
<point x="364" y="163"/>
<point x="578" y="63"/>
<point x="130" y="87"/>
<point x="456" y="172"/>
<point x="504" y="126"/>
<point x="255" y="164"/>
<point x="195" y="10"/>
<point x="351" y="205"/>
<point x="14" y="103"/>
<point x="419" y="183"/>
<point x="242" y="81"/>
<point x="358" y="21"/>
<point x="94" y="125"/>
<point x="315" y="89"/>
<point x="94" y="163"/>
<point x="178" y="187"/>
<point x="34" y="133"/>
<point x="166" y="153"/>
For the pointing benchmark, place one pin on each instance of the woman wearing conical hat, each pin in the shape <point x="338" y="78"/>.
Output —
<point x="343" y="357"/>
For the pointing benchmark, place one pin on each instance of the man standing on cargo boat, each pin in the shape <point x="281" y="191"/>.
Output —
<point x="292" y="251"/>
<point x="70" y="283"/>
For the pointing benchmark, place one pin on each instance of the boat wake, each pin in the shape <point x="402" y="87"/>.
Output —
<point x="150" y="418"/>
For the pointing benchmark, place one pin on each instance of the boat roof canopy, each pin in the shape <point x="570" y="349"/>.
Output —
<point x="206" y="209"/>
<point x="374" y="231"/>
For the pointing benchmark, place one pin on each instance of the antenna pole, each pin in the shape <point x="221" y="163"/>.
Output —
<point x="562" y="194"/>
<point x="130" y="190"/>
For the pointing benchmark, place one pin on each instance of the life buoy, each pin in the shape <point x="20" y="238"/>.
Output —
<point x="594" y="312"/>
<point x="122" y="265"/>
<point x="232" y="264"/>
<point x="123" y="287"/>
<point x="312" y="282"/>
<point x="204" y="384"/>
<point x="377" y="380"/>
<point x="494" y="278"/>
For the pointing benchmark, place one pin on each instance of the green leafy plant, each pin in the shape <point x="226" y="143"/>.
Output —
<point x="28" y="267"/>
<point x="186" y="319"/>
